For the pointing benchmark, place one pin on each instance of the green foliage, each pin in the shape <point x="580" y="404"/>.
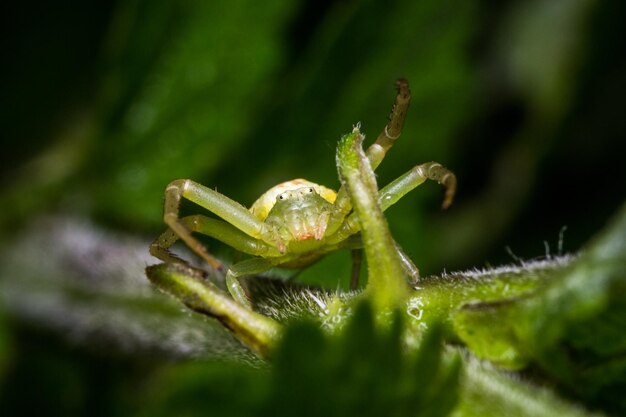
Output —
<point x="386" y="286"/>
<point x="178" y="93"/>
<point x="240" y="97"/>
<point x="123" y="315"/>
<point x="572" y="328"/>
<point x="440" y="297"/>
<point x="257" y="331"/>
<point x="362" y="371"/>
<point x="488" y="392"/>
<point x="5" y="347"/>
<point x="90" y="286"/>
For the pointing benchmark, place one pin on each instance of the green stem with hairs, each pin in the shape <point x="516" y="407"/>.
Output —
<point x="260" y="333"/>
<point x="386" y="285"/>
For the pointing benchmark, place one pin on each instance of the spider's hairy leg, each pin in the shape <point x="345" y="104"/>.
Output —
<point x="398" y="188"/>
<point x="411" y="271"/>
<point x="408" y="266"/>
<point x="247" y="267"/>
<point x="229" y="210"/>
<point x="357" y="260"/>
<point x="217" y="229"/>
<point x="233" y="237"/>
<point x="159" y="248"/>
<point x="385" y="140"/>
<point x="376" y="151"/>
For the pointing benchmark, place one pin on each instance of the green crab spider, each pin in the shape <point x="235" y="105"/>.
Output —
<point x="294" y="223"/>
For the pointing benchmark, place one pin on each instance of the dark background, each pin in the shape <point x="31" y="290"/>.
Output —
<point x="104" y="103"/>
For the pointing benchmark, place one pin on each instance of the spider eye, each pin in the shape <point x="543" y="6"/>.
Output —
<point x="310" y="190"/>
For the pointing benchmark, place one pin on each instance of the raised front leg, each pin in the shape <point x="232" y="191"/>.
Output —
<point x="385" y="140"/>
<point x="398" y="188"/>
<point x="394" y="191"/>
<point x="376" y="152"/>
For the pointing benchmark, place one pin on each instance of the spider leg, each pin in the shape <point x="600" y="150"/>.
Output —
<point x="398" y="188"/>
<point x="229" y="210"/>
<point x="385" y="140"/>
<point x="357" y="259"/>
<point x="390" y="195"/>
<point x="407" y="264"/>
<point x="247" y="267"/>
<point x="230" y="235"/>
<point x="376" y="152"/>
<point x="159" y="248"/>
<point x="217" y="229"/>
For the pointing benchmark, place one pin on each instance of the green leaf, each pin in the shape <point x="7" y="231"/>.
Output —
<point x="489" y="392"/>
<point x="180" y="85"/>
<point x="572" y="328"/>
<point x="206" y="389"/>
<point x="439" y="298"/>
<point x="361" y="370"/>
<point x="257" y="331"/>
<point x="89" y="287"/>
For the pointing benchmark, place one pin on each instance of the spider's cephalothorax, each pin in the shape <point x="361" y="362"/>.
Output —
<point x="294" y="223"/>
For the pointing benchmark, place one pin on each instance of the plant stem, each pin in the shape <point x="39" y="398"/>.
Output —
<point x="258" y="332"/>
<point x="386" y="285"/>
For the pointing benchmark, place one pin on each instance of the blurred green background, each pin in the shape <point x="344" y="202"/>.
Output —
<point x="103" y="103"/>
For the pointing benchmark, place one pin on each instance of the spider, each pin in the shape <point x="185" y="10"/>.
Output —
<point x="294" y="223"/>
